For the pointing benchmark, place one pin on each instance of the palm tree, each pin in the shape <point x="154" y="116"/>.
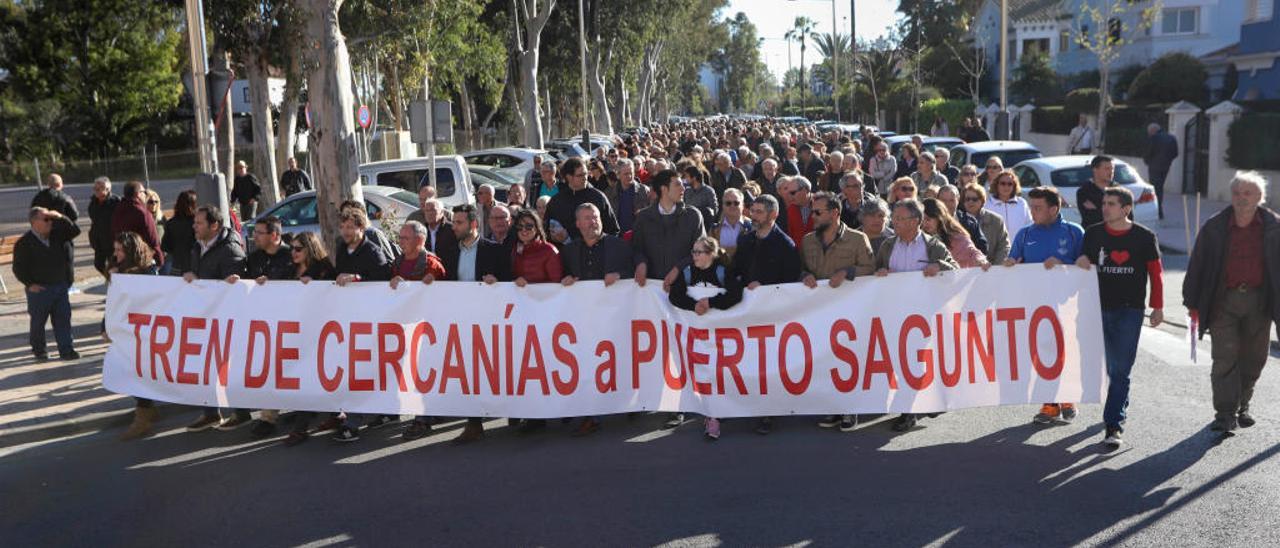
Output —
<point x="802" y="28"/>
<point x="834" y="48"/>
<point x="789" y="36"/>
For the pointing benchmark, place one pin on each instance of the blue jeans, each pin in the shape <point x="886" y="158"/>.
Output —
<point x="1120" y="330"/>
<point x="53" y="302"/>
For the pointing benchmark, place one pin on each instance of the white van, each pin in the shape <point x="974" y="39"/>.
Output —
<point x="453" y="181"/>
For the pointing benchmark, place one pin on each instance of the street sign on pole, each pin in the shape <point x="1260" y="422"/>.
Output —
<point x="364" y="117"/>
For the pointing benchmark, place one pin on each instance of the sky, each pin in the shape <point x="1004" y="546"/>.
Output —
<point x="773" y="18"/>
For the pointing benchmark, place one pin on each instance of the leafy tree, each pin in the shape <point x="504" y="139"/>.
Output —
<point x="1036" y="81"/>
<point x="1173" y="77"/>
<point x="1104" y="27"/>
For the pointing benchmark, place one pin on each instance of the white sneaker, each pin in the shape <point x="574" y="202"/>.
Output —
<point x="1113" y="438"/>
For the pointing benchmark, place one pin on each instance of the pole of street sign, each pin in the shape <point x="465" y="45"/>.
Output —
<point x="199" y="91"/>
<point x="853" y="56"/>
<point x="1004" y="63"/>
<point x="582" y="52"/>
<point x="431" y="130"/>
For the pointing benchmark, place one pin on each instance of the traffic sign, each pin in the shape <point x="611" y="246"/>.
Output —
<point x="364" y="116"/>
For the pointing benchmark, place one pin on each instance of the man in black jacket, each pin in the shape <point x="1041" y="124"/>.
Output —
<point x="1231" y="290"/>
<point x="102" y="206"/>
<point x="1089" y="196"/>
<point x="43" y="262"/>
<point x="294" y="180"/>
<point x="271" y="258"/>
<point x="217" y="255"/>
<point x="665" y="231"/>
<point x="577" y="192"/>
<point x="52" y="197"/>
<point x="811" y="167"/>
<point x="245" y="190"/>
<point x="1162" y="149"/>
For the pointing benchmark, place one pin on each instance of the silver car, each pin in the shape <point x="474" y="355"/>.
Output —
<point x="388" y="208"/>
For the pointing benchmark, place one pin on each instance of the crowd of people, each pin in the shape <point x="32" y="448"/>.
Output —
<point x="708" y="209"/>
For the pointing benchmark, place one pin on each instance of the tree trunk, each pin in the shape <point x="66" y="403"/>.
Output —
<point x="264" y="150"/>
<point x="664" y="110"/>
<point x="535" y="19"/>
<point x="225" y="120"/>
<point x="287" y="125"/>
<point x="602" y="122"/>
<point x="621" y="113"/>
<point x="333" y="135"/>
<point x="1104" y="101"/>
<point x="468" y="123"/>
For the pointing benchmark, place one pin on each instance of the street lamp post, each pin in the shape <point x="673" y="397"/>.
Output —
<point x="582" y="51"/>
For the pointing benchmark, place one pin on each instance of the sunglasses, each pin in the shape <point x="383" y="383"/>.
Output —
<point x="907" y="188"/>
<point x="701" y="252"/>
<point x="993" y="167"/>
<point x="732" y="204"/>
<point x="974" y="199"/>
<point x="526" y="226"/>
<point x="1005" y="183"/>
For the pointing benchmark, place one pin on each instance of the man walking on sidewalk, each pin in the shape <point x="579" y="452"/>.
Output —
<point x="42" y="261"/>
<point x="1230" y="291"/>
<point x="1162" y="149"/>
<point x="1126" y="254"/>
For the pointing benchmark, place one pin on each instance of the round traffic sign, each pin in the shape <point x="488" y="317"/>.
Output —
<point x="364" y="116"/>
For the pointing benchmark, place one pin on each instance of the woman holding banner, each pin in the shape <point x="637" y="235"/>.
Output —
<point x="132" y="255"/>
<point x="704" y="285"/>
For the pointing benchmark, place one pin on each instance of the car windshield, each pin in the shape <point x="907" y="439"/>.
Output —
<point x="297" y="212"/>
<point x="413" y="179"/>
<point x="404" y="197"/>
<point x="1010" y="157"/>
<point x="1079" y="176"/>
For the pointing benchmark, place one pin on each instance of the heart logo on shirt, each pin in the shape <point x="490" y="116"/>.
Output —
<point x="1120" y="257"/>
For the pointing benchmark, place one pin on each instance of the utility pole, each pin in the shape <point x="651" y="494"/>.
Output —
<point x="835" y="59"/>
<point x="1002" y="130"/>
<point x="199" y="90"/>
<point x="853" y="54"/>
<point x="582" y="51"/>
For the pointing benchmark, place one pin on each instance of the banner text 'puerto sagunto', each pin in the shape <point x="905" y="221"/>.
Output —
<point x="902" y="343"/>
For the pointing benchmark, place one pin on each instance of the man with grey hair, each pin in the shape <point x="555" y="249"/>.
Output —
<point x="500" y="226"/>
<point x="927" y="178"/>
<point x="725" y="176"/>
<point x="102" y="206"/>
<point x="52" y="197"/>
<point x="944" y="164"/>
<point x="1162" y="149"/>
<point x="1232" y="290"/>
<point x="795" y="219"/>
<point x="484" y="204"/>
<point x="627" y="196"/>
<point x="766" y="256"/>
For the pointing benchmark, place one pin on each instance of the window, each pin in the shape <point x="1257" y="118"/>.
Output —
<point x="1179" y="21"/>
<point x="297" y="212"/>
<point x="1260" y="10"/>
<point x="1027" y="177"/>
<point x="1064" y="40"/>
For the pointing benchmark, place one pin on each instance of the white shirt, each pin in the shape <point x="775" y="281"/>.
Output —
<point x="729" y="233"/>
<point x="1082" y="137"/>
<point x="1015" y="213"/>
<point x="910" y="256"/>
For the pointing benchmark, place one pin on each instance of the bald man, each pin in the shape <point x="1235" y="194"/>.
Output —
<point x="52" y="197"/>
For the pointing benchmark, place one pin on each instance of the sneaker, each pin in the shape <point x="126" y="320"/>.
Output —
<point x="1245" y="419"/>
<point x="904" y="422"/>
<point x="848" y="423"/>
<point x="347" y="434"/>
<point x="673" y="420"/>
<point x="1113" y="438"/>
<point x="829" y="421"/>
<point x="1068" y="412"/>
<point x="72" y="355"/>
<point x="765" y="426"/>
<point x="712" y="428"/>
<point x="204" y="422"/>
<point x="331" y="423"/>
<point x="1048" y="413"/>
<point x="587" y="427"/>
<point x="233" y="422"/>
<point x="41" y="358"/>
<point x="378" y="421"/>
<point x="295" y="438"/>
<point x="416" y="430"/>
<point x="262" y="429"/>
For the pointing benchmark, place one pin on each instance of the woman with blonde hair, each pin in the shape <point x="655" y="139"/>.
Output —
<point x="938" y="222"/>
<point x="1006" y="200"/>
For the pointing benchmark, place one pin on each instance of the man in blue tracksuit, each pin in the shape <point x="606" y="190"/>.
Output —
<point x="1051" y="241"/>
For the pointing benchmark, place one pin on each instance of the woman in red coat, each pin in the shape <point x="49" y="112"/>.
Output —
<point x="534" y="260"/>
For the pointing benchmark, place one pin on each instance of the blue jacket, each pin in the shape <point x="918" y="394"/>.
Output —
<point x="1035" y="243"/>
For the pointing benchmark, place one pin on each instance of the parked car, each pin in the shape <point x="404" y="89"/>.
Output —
<point x="453" y="182"/>
<point x="565" y="149"/>
<point x="514" y="161"/>
<point x="494" y="177"/>
<point x="930" y="143"/>
<point x="386" y="205"/>
<point x="596" y="141"/>
<point x="1069" y="173"/>
<point x="1009" y="152"/>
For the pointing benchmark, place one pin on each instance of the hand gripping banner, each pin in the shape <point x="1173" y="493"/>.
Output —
<point x="902" y="343"/>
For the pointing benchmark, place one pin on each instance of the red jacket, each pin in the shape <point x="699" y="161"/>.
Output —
<point x="132" y="216"/>
<point x="796" y="228"/>
<point x="538" y="263"/>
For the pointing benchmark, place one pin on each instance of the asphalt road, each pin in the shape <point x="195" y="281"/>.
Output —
<point x="981" y="477"/>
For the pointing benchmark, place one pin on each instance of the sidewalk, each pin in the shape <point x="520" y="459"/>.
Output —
<point x="1172" y="230"/>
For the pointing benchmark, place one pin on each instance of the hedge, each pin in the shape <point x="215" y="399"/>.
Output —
<point x="1053" y="120"/>
<point x="1253" y="141"/>
<point x="1083" y="100"/>
<point x="954" y="111"/>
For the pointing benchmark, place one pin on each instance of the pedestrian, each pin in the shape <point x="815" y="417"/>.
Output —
<point x="157" y="213"/>
<point x="627" y="196"/>
<point x="517" y="197"/>
<point x="939" y="128"/>
<point x="811" y="166"/>
<point x="546" y="183"/>
<point x="725" y="175"/>
<point x="389" y="249"/>
<point x="767" y="256"/>
<point x="1052" y="241"/>
<point x="43" y="262"/>
<point x="704" y="284"/>
<point x="927" y="178"/>
<point x="500" y="223"/>
<point x="52" y="197"/>
<point x="943" y="156"/>
<point x="561" y="226"/>
<point x="949" y="195"/>
<point x="246" y="192"/>
<point x="1230" y="291"/>
<point x="102" y="206"/>
<point x="540" y="205"/>
<point x="852" y="195"/>
<point x="836" y="253"/>
<point x="903" y="188"/>
<point x="911" y="250"/>
<point x="1080" y="140"/>
<point x="359" y="259"/>
<point x="698" y="194"/>
<point x="796" y="219"/>
<point x="534" y="260"/>
<point x="131" y="255"/>
<point x="1005" y="199"/>
<point x="994" y="166"/>
<point x="310" y="262"/>
<point x="1089" y="197"/>
<point x="1162" y="149"/>
<point x="133" y="215"/>
<point x="938" y="222"/>
<point x="217" y="255"/>
<point x="596" y="176"/>
<point x="595" y="256"/>
<point x="993" y="230"/>
<point x="485" y="201"/>
<point x="732" y="224"/>
<point x="425" y="193"/>
<point x="474" y="260"/>
<point x="440" y="238"/>
<point x="1126" y="255"/>
<point x="968" y="174"/>
<point x="834" y="173"/>
<point x="664" y="232"/>
<point x="908" y="161"/>
<point x="882" y="169"/>
<point x="533" y="177"/>
<point x="294" y="180"/>
<point x="874" y="218"/>
<point x="770" y="178"/>
<point x="179" y="235"/>
<point x="416" y="265"/>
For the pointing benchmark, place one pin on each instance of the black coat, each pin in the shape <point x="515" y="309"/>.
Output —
<point x="244" y="189"/>
<point x="1202" y="286"/>
<point x="564" y="205"/>
<point x="224" y="258"/>
<point x="491" y="259"/>
<point x="100" y="213"/>
<point x="367" y="261"/>
<point x="974" y="228"/>
<point x="56" y="200"/>
<point x="1162" y="148"/>
<point x="611" y="254"/>
<point x="274" y="267"/>
<point x="179" y="237"/>
<point x="294" y="181"/>
<point x="772" y="260"/>
<point x="36" y="263"/>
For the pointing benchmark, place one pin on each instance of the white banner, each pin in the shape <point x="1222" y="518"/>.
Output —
<point x="902" y="343"/>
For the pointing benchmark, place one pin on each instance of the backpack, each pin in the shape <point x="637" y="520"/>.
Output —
<point x="688" y="274"/>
